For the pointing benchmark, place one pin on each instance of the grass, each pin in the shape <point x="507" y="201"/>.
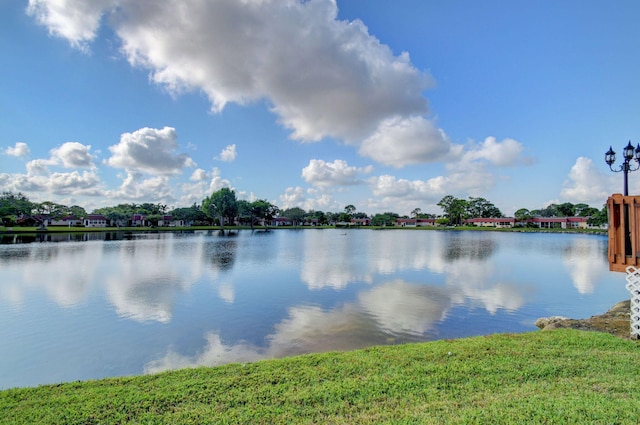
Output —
<point x="560" y="376"/>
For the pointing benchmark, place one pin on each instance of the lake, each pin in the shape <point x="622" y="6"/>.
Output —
<point x="93" y="305"/>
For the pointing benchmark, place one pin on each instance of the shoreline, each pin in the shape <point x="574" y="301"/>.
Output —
<point x="64" y="229"/>
<point x="615" y="321"/>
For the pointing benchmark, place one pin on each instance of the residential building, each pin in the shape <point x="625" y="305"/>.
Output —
<point x="498" y="222"/>
<point x="95" y="220"/>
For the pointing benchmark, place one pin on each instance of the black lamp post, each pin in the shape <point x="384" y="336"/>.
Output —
<point x="628" y="153"/>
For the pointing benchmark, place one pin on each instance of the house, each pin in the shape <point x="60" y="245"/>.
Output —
<point x="497" y="222"/>
<point x="95" y="220"/>
<point x="139" y="220"/>
<point x="68" y="221"/>
<point x="415" y="222"/>
<point x="577" y="222"/>
<point x="361" y="221"/>
<point x="41" y="219"/>
<point x="165" y="220"/>
<point x="559" y="222"/>
<point x="281" y="221"/>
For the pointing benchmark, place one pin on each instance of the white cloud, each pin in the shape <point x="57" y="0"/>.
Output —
<point x="149" y="150"/>
<point x="323" y="77"/>
<point x="20" y="150"/>
<point x="38" y="167"/>
<point x="336" y="173"/>
<point x="198" y="175"/>
<point x="73" y="182"/>
<point x="136" y="187"/>
<point x="228" y="154"/>
<point x="392" y="187"/>
<point x="500" y="154"/>
<point x="308" y="199"/>
<point x="402" y="141"/>
<point x="72" y="155"/>
<point x="292" y="197"/>
<point x="586" y="183"/>
<point x="75" y="20"/>
<point x="85" y="183"/>
<point x="67" y="155"/>
<point x="202" y="184"/>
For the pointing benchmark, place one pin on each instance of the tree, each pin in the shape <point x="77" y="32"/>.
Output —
<point x="584" y="210"/>
<point x="295" y="214"/>
<point x="189" y="215"/>
<point x="221" y="204"/>
<point x="384" y="219"/>
<point x="14" y="205"/>
<point x="416" y="212"/>
<point x="256" y="209"/>
<point x="565" y="210"/>
<point x="600" y="218"/>
<point x="347" y="215"/>
<point x="318" y="215"/>
<point x="480" y="207"/>
<point x="523" y="214"/>
<point x="264" y="209"/>
<point x="455" y="209"/>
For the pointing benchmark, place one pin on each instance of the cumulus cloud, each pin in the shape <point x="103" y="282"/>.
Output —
<point x="72" y="155"/>
<point x="76" y="183"/>
<point x="67" y="155"/>
<point x="390" y="186"/>
<point x="66" y="183"/>
<point x="323" y="77"/>
<point x="40" y="176"/>
<point x="586" y="183"/>
<point x="336" y="173"/>
<point x="149" y="150"/>
<point x="402" y="141"/>
<point x="20" y="150"/>
<point x="308" y="199"/>
<point x="202" y="184"/>
<point x="75" y="20"/>
<point x="136" y="187"/>
<point x="228" y="154"/>
<point x="500" y="154"/>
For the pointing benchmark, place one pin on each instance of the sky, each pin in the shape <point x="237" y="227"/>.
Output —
<point x="318" y="104"/>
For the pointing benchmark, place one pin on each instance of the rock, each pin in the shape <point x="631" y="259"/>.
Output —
<point x="615" y="321"/>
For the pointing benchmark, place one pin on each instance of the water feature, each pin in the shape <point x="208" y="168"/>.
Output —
<point x="92" y="305"/>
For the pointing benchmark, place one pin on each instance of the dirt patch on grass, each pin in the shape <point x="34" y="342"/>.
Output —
<point x="615" y="321"/>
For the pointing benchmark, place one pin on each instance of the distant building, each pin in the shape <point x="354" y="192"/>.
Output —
<point x="559" y="222"/>
<point x="415" y="222"/>
<point x="281" y="221"/>
<point x="95" y="220"/>
<point x="497" y="222"/>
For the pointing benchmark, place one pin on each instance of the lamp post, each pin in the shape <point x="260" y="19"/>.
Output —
<point x="628" y="153"/>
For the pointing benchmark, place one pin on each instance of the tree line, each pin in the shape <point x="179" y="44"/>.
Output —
<point x="222" y="208"/>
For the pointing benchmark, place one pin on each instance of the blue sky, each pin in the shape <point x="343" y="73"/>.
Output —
<point x="388" y="106"/>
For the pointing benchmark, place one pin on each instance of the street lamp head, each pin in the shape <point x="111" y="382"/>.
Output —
<point x="610" y="157"/>
<point x="638" y="152"/>
<point x="628" y="152"/>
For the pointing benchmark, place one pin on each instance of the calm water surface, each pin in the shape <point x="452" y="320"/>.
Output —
<point x="81" y="309"/>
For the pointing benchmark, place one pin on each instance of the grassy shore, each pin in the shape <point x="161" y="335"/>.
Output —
<point x="560" y="376"/>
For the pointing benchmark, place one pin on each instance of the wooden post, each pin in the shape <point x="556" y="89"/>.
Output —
<point x="623" y="211"/>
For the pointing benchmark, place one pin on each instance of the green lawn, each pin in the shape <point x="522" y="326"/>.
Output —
<point x="550" y="377"/>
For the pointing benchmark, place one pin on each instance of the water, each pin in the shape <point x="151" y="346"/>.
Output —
<point x="95" y="305"/>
